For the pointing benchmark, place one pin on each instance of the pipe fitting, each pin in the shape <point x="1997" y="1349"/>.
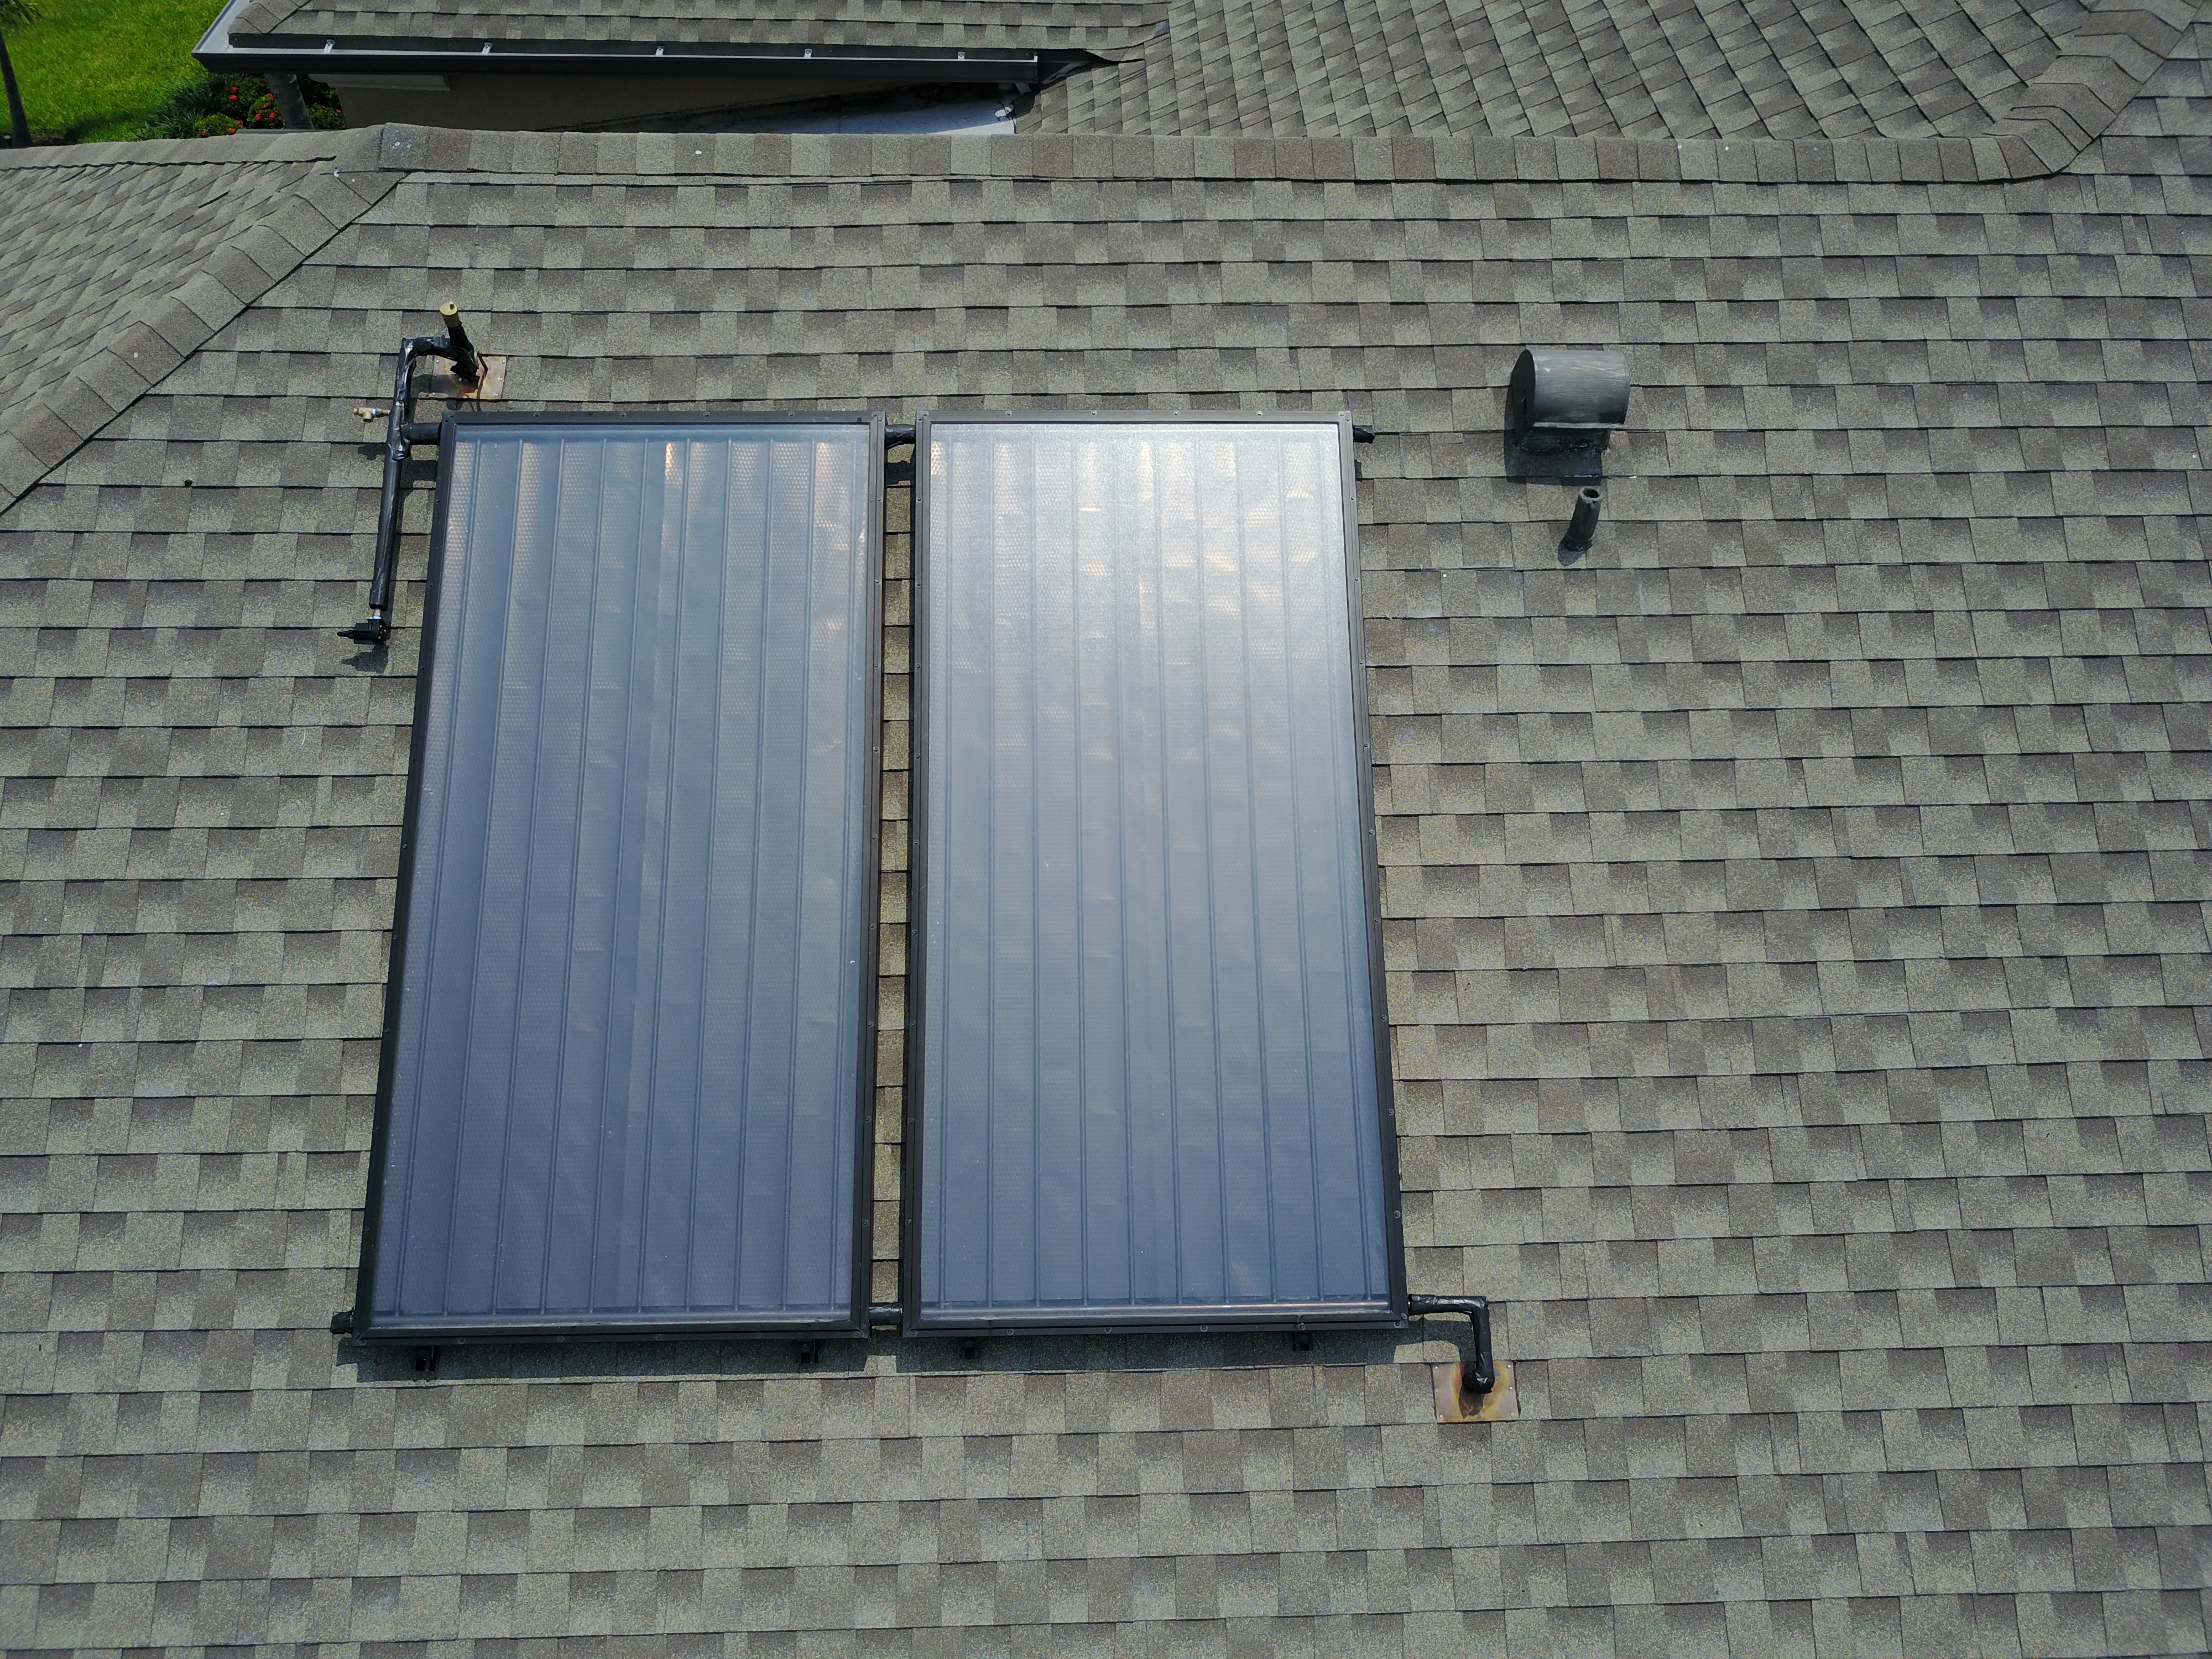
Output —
<point x="372" y="630"/>
<point x="468" y="367"/>
<point x="1481" y="1376"/>
<point x="402" y="432"/>
<point x="1582" y="529"/>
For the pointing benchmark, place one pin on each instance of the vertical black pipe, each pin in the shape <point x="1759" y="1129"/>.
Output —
<point x="376" y="628"/>
<point x="1582" y="529"/>
<point x="19" y="125"/>
<point x="401" y="434"/>
<point x="468" y="367"/>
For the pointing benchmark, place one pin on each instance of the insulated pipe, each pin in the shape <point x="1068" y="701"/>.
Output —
<point x="375" y="629"/>
<point x="882" y="1315"/>
<point x="468" y="367"/>
<point x="1582" y="529"/>
<point x="1475" y="1309"/>
<point x="402" y="433"/>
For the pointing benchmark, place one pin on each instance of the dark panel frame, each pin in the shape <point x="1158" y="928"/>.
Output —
<point x="648" y="1326"/>
<point x="914" y="1320"/>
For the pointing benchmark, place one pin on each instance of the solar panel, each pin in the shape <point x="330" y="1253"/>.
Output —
<point x="1148" y="1077"/>
<point x="628" y="1056"/>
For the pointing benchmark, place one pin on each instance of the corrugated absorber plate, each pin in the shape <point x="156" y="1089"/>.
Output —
<point x="1148" y="1079"/>
<point x="630" y="1033"/>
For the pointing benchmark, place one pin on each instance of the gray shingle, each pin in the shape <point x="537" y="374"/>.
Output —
<point x="1707" y="70"/>
<point x="1797" y="931"/>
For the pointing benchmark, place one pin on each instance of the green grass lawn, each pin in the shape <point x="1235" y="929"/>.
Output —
<point x="94" y="69"/>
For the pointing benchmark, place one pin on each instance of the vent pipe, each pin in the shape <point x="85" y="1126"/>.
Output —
<point x="1582" y="529"/>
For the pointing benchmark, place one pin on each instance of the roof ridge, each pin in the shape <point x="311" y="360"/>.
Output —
<point x="164" y="330"/>
<point x="272" y="146"/>
<point x="2099" y="67"/>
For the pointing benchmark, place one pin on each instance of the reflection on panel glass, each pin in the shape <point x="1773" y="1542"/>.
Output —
<point x="1147" y="1071"/>
<point x="626" y="1067"/>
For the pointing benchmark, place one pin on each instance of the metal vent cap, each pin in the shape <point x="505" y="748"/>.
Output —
<point x="1566" y="400"/>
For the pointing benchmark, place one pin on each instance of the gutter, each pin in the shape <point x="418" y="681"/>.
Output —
<point x="216" y="40"/>
<point x="322" y="55"/>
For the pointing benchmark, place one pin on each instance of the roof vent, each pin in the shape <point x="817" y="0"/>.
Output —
<point x="1561" y="406"/>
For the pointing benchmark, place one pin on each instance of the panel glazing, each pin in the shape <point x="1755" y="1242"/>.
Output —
<point x="1147" y="1077"/>
<point x="626" y="1059"/>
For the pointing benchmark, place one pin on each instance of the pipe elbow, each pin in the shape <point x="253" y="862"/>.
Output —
<point x="1482" y="1376"/>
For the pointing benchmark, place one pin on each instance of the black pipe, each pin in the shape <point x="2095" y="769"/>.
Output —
<point x="881" y="1317"/>
<point x="320" y="54"/>
<point x="375" y="629"/>
<point x="19" y="126"/>
<point x="402" y="432"/>
<point x="468" y="367"/>
<point x="1582" y="529"/>
<point x="1475" y="1309"/>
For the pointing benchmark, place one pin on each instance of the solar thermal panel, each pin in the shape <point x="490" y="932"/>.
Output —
<point x="627" y="1059"/>
<point x="1148" y="1080"/>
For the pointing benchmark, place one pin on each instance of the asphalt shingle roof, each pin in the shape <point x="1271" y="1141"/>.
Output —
<point x="1714" y="68"/>
<point x="1795" y="921"/>
<point x="114" y="274"/>
<point x="1695" y="70"/>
